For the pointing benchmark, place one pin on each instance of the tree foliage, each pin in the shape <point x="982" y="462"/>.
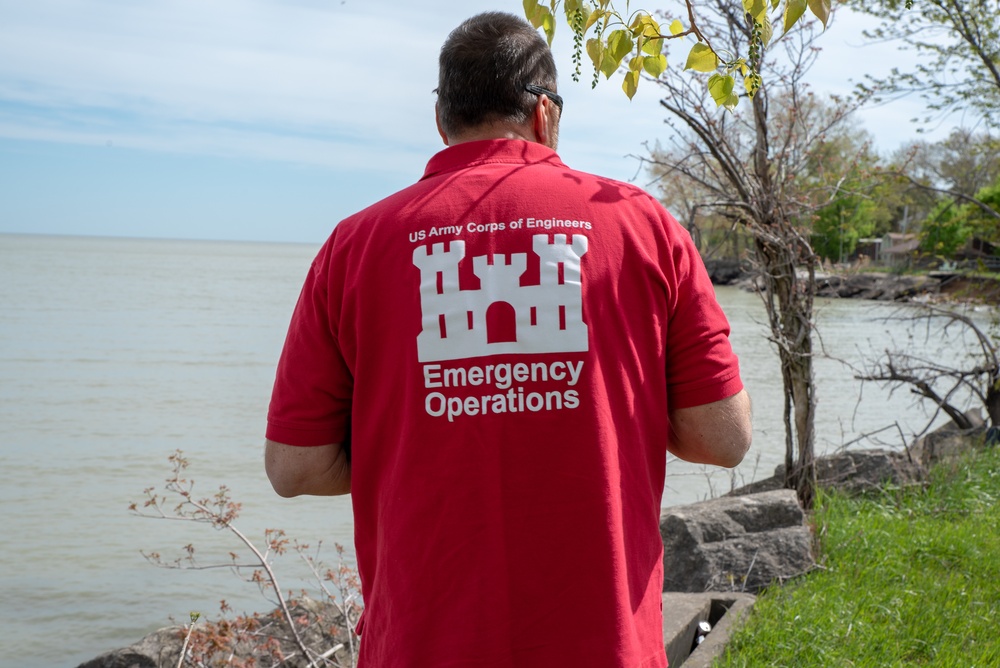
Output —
<point x="945" y="230"/>
<point x="956" y="44"/>
<point x="951" y="186"/>
<point x="984" y="220"/>
<point x="952" y="223"/>
<point x="636" y="40"/>
<point x="841" y="224"/>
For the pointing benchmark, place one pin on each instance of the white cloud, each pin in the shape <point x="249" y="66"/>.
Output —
<point x="325" y="82"/>
<point x="285" y="68"/>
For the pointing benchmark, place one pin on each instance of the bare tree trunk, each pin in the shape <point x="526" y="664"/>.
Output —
<point x="789" y="303"/>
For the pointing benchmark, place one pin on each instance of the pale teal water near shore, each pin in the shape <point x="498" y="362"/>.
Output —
<point x="116" y="352"/>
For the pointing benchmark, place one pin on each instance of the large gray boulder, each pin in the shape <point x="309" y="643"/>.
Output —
<point x="863" y="471"/>
<point x="735" y="543"/>
<point x="949" y="442"/>
<point x="852" y="472"/>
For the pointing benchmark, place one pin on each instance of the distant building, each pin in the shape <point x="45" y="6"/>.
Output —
<point x="978" y="250"/>
<point x="897" y="249"/>
<point x="869" y="248"/>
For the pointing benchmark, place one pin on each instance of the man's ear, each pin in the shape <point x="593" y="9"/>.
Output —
<point x="542" y="120"/>
<point x="437" y="120"/>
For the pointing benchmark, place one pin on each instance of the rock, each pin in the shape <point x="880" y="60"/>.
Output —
<point x="862" y="471"/>
<point x="684" y="616"/>
<point x="160" y="648"/>
<point x="321" y="628"/>
<point x="853" y="472"/>
<point x="948" y="441"/>
<point x="726" y="272"/>
<point x="776" y="481"/>
<point x="735" y="543"/>
<point x="728" y="610"/>
<point x="882" y="287"/>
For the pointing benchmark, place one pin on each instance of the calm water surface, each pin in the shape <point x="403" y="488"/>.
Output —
<point x="116" y="352"/>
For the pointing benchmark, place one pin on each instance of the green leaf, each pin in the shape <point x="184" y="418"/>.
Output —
<point x="756" y="8"/>
<point x="676" y="28"/>
<point x="635" y="64"/>
<point x="651" y="28"/>
<point x="535" y="13"/>
<point x="775" y="3"/>
<point x="596" y="52"/>
<point x="653" y="47"/>
<point x="821" y="8"/>
<point x="549" y="25"/>
<point x="609" y="65"/>
<point x="631" y="83"/>
<point x="721" y="88"/>
<point x="573" y="5"/>
<point x="794" y="9"/>
<point x="702" y="59"/>
<point x="620" y="44"/>
<point x="637" y="25"/>
<point x="655" y="65"/>
<point x="644" y="24"/>
<point x="594" y="17"/>
<point x="767" y="31"/>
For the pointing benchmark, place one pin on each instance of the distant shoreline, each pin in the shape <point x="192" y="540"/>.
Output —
<point x="929" y="287"/>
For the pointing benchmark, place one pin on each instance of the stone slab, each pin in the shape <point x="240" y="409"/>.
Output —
<point x="682" y="613"/>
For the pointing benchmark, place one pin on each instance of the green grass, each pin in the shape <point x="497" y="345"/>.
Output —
<point x="907" y="578"/>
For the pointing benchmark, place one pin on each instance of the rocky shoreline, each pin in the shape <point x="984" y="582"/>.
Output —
<point x="879" y="286"/>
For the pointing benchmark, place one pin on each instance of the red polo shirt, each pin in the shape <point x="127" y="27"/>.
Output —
<point x="506" y="338"/>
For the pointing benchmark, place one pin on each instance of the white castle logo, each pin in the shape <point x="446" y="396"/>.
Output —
<point x="502" y="316"/>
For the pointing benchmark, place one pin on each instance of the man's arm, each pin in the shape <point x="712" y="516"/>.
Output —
<point x="321" y="470"/>
<point x="718" y="433"/>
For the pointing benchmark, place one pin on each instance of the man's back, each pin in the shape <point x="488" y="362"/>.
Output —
<point x="508" y="337"/>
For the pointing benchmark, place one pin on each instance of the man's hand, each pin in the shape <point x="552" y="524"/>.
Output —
<point x="322" y="470"/>
<point x="718" y="433"/>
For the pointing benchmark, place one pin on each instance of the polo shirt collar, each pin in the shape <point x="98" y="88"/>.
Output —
<point x="490" y="151"/>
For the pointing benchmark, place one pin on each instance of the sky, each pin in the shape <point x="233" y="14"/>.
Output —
<point x="270" y="120"/>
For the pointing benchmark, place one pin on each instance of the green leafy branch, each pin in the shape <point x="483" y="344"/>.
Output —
<point x="638" y="37"/>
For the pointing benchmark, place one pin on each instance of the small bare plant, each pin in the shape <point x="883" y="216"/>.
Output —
<point x="299" y="632"/>
<point x="946" y="384"/>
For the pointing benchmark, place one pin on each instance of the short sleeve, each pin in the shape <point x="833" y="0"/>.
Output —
<point x="701" y="365"/>
<point x="311" y="400"/>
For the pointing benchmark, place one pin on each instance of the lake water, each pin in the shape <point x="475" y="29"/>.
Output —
<point x="116" y="352"/>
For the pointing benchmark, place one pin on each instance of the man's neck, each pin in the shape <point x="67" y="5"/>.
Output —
<point x="484" y="133"/>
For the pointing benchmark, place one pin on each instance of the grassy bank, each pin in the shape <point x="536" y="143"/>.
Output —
<point x="907" y="578"/>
